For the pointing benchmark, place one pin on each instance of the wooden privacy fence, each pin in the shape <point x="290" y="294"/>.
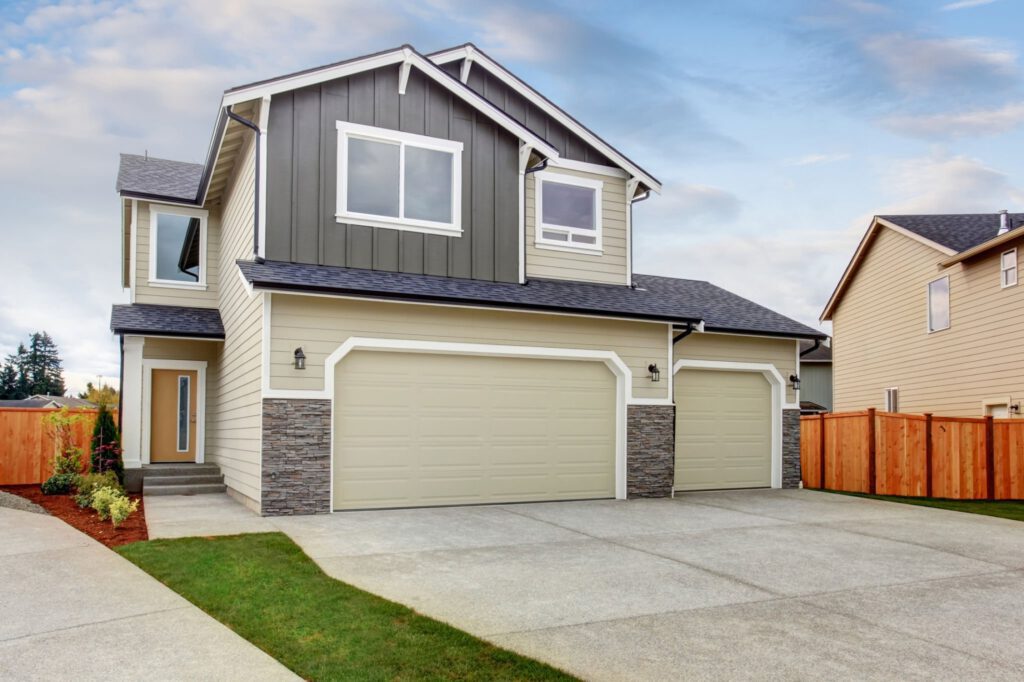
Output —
<point x="27" y="447"/>
<point x="913" y="455"/>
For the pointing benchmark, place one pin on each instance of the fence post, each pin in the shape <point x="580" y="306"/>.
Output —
<point x="928" y="454"/>
<point x="872" y="453"/>
<point x="990" y="458"/>
<point x="821" y="450"/>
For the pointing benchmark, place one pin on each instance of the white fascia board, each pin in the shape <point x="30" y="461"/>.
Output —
<point x="499" y="72"/>
<point x="401" y="55"/>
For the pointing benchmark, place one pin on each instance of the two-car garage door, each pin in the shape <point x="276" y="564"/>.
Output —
<point x="421" y="429"/>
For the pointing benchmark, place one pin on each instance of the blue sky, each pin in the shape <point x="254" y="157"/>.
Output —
<point x="777" y="128"/>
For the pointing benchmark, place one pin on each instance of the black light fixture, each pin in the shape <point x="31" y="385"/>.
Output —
<point x="300" y="358"/>
<point x="655" y="372"/>
<point x="794" y="381"/>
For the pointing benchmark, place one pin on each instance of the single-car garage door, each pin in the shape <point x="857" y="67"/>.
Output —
<point x="723" y="430"/>
<point x="418" y="429"/>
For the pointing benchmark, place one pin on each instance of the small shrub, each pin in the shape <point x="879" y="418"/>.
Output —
<point x="67" y="457"/>
<point x="88" y="484"/>
<point x="58" y="484"/>
<point x="106" y="445"/>
<point x="121" y="508"/>
<point x="102" y="499"/>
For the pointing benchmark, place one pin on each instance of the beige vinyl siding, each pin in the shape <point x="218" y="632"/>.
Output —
<point x="320" y="325"/>
<point x="610" y="266"/>
<point x="734" y="348"/>
<point x="881" y="338"/>
<point x="164" y="295"/>
<point x="234" y="418"/>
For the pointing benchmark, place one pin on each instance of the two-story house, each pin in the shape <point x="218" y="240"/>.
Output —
<point x="928" y="314"/>
<point x="406" y="280"/>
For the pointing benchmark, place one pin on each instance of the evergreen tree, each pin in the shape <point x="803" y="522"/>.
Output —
<point x="106" y="445"/>
<point x="8" y="380"/>
<point x="45" y="368"/>
<point x="14" y="378"/>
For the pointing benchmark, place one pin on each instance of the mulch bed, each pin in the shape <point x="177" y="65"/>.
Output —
<point x="86" y="520"/>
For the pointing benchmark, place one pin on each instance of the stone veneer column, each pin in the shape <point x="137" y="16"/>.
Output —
<point x="650" y="450"/>
<point x="296" y="457"/>
<point x="791" y="448"/>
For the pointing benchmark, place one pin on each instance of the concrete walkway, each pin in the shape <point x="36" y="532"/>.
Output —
<point x="764" y="584"/>
<point x="72" y="609"/>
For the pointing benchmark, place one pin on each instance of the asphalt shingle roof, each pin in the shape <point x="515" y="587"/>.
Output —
<point x="167" y="320"/>
<point x="820" y="354"/>
<point x="159" y="177"/>
<point x="959" y="232"/>
<point x="654" y="298"/>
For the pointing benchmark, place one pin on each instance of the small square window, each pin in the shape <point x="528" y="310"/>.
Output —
<point x="1008" y="268"/>
<point x="938" y="304"/>
<point x="568" y="210"/>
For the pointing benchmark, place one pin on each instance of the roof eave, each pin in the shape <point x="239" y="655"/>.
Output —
<point x="984" y="247"/>
<point x="810" y="335"/>
<point x="163" y="199"/>
<point x="133" y="331"/>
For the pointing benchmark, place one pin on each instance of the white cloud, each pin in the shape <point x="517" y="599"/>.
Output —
<point x="977" y="122"/>
<point x="916" y="64"/>
<point x="815" y="159"/>
<point x="965" y="4"/>
<point x="682" y="205"/>
<point x="943" y="183"/>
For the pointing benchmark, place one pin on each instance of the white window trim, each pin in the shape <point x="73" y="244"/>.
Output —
<point x="343" y="215"/>
<point x="540" y="177"/>
<point x="154" y="211"/>
<point x="1003" y="270"/>
<point x="949" y="312"/>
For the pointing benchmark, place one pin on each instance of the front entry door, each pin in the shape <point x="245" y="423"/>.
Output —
<point x="173" y="416"/>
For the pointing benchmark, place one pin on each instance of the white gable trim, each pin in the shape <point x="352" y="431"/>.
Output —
<point x="404" y="55"/>
<point x="475" y="56"/>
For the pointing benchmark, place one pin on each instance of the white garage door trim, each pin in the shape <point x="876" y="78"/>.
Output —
<point x="623" y="378"/>
<point x="777" y="386"/>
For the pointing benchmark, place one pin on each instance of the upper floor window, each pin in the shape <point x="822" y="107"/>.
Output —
<point x="1008" y="268"/>
<point x="177" y="254"/>
<point x="568" y="212"/>
<point x="938" y="304"/>
<point x="400" y="180"/>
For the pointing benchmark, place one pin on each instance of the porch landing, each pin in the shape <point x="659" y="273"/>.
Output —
<point x="178" y="516"/>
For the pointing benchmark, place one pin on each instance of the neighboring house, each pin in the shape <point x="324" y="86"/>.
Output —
<point x="815" y="377"/>
<point x="928" y="315"/>
<point x="49" y="401"/>
<point x="406" y="280"/>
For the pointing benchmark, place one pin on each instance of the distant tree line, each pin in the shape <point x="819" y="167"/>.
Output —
<point x="33" y="370"/>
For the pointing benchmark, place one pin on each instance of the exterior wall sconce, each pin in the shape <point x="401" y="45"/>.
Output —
<point x="300" y="358"/>
<point x="655" y="372"/>
<point x="1015" y="408"/>
<point x="794" y="381"/>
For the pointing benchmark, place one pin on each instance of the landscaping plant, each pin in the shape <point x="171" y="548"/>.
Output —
<point x="111" y="503"/>
<point x="102" y="499"/>
<point x="67" y="457"/>
<point x="121" y="508"/>
<point x="58" y="484"/>
<point x="106" y="445"/>
<point x="87" y="484"/>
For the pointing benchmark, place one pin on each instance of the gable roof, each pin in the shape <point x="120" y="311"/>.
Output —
<point x="956" y="231"/>
<point x="408" y="57"/>
<point x="147" y="177"/>
<point x="949" y="234"/>
<point x="659" y="299"/>
<point x="474" y="55"/>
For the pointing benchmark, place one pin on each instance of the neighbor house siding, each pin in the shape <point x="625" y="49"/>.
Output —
<point x="607" y="268"/>
<point x="816" y="383"/>
<point x="781" y="353"/>
<point x="302" y="180"/>
<point x="163" y="295"/>
<point x="235" y="414"/>
<point x="320" y="325"/>
<point x="881" y="338"/>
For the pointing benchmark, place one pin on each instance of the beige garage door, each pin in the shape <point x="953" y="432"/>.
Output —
<point x="723" y="430"/>
<point x="414" y="429"/>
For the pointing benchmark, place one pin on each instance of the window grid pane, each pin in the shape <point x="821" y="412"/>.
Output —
<point x="373" y="177"/>
<point x="568" y="205"/>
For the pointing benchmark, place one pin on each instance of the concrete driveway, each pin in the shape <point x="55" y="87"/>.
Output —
<point x="754" y="584"/>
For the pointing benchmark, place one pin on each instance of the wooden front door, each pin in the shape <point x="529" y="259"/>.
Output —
<point x="173" y="416"/>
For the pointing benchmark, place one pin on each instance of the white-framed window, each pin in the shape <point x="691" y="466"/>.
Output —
<point x="938" y="304"/>
<point x="568" y="212"/>
<point x="892" y="400"/>
<point x="1008" y="268"/>
<point x="388" y="178"/>
<point x="177" y="247"/>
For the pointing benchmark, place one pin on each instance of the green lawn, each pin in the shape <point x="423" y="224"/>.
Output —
<point x="1006" y="509"/>
<point x="267" y="590"/>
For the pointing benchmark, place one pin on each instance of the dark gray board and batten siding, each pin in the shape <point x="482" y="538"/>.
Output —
<point x="568" y="144"/>
<point x="302" y="180"/>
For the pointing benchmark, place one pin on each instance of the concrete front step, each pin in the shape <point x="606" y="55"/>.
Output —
<point x="151" y="482"/>
<point x="187" y="489"/>
<point x="186" y="469"/>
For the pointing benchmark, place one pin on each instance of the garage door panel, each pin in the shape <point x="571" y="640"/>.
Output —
<point x="447" y="429"/>
<point x="723" y="430"/>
